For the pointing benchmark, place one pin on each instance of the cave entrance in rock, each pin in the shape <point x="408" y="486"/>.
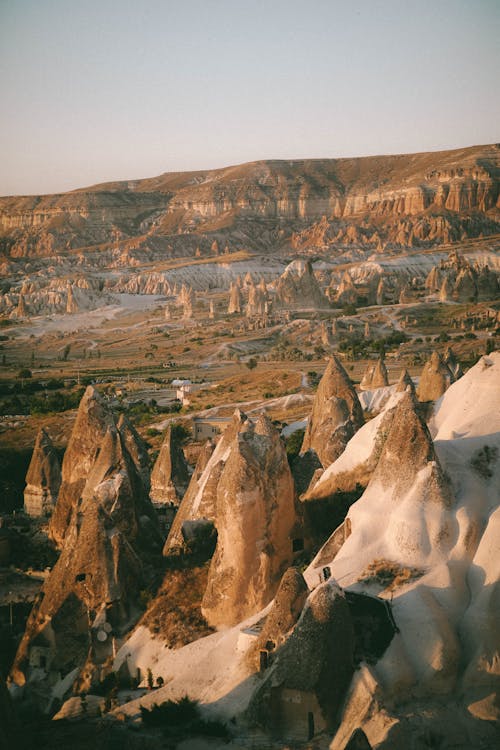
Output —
<point x="310" y="725"/>
<point x="263" y="660"/>
<point x="374" y="625"/>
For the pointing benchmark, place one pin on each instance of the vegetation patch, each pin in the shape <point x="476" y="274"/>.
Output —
<point x="175" y="611"/>
<point x="389" y="575"/>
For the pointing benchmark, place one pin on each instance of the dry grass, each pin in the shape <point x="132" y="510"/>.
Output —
<point x="175" y="612"/>
<point x="389" y="575"/>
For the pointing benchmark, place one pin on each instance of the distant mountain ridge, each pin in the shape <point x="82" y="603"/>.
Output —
<point x="403" y="200"/>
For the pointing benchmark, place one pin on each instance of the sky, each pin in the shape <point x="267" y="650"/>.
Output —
<point x="99" y="90"/>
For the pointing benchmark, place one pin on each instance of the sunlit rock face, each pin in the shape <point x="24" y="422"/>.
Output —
<point x="298" y="287"/>
<point x="335" y="417"/>
<point x="92" y="421"/>
<point x="375" y="376"/>
<point x="255" y="518"/>
<point x="435" y="379"/>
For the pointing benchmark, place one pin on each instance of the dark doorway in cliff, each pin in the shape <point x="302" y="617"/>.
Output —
<point x="310" y="725"/>
<point x="374" y="625"/>
<point x="297" y="545"/>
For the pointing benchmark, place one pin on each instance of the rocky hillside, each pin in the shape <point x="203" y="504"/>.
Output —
<point x="399" y="200"/>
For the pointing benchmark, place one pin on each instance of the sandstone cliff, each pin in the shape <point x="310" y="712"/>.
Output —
<point x="402" y="200"/>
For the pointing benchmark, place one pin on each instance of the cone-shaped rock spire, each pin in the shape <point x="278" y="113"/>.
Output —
<point x="435" y="379"/>
<point x="170" y="476"/>
<point x="255" y="517"/>
<point x="336" y="415"/>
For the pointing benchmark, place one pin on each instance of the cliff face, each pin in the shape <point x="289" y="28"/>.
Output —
<point x="428" y="197"/>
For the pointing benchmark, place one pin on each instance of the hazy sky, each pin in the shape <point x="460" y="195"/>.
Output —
<point x="95" y="90"/>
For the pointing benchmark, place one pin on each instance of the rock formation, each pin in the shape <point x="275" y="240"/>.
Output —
<point x="434" y="279"/>
<point x="21" y="311"/>
<point x="255" y="519"/>
<point x="488" y="284"/>
<point x="407" y="450"/>
<point x="304" y="688"/>
<point x="346" y="293"/>
<point x="234" y="299"/>
<point x="170" y="475"/>
<point x="465" y="288"/>
<point x="186" y="298"/>
<point x="452" y="363"/>
<point x="336" y="414"/>
<point x="137" y="450"/>
<point x="92" y="421"/>
<point x="286" y="610"/>
<point x="298" y="288"/>
<point x="199" y="502"/>
<point x="344" y="481"/>
<point x="445" y="290"/>
<point x="92" y="591"/>
<point x="405" y="381"/>
<point x="71" y="303"/>
<point x="381" y="291"/>
<point x="435" y="379"/>
<point x="257" y="298"/>
<point x="43" y="478"/>
<point x="326" y="334"/>
<point x="375" y="376"/>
